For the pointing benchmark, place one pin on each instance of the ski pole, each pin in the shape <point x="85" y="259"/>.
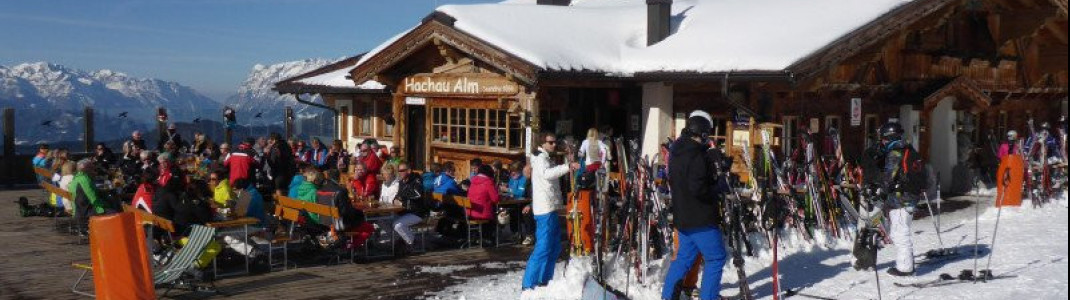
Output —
<point x="999" y="211"/>
<point x="936" y="225"/>
<point x="976" y="228"/>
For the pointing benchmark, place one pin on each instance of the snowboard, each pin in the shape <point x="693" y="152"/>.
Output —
<point x="1009" y="180"/>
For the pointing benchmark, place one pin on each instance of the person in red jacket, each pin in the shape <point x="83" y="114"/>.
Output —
<point x="145" y="190"/>
<point x="364" y="183"/>
<point x="483" y="194"/>
<point x="371" y="161"/>
<point x="241" y="164"/>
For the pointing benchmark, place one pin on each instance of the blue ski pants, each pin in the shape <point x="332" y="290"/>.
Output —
<point x="709" y="242"/>
<point x="543" y="258"/>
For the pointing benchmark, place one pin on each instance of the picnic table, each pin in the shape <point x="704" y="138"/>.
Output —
<point x="230" y="227"/>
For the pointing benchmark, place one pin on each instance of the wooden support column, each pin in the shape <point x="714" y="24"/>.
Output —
<point x="400" y="123"/>
<point x="89" y="148"/>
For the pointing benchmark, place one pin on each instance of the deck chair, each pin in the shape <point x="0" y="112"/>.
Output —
<point x="171" y="274"/>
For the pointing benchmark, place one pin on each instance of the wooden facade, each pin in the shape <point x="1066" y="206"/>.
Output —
<point x="946" y="69"/>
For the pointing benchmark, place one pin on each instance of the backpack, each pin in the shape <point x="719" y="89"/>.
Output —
<point x="913" y="175"/>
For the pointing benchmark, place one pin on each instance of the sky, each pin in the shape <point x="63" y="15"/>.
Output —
<point x="210" y="45"/>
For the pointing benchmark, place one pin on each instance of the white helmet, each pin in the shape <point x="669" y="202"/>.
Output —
<point x="1012" y="135"/>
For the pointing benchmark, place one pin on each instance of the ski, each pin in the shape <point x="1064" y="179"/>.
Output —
<point x="946" y="279"/>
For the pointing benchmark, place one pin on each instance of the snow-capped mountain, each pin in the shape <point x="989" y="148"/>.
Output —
<point x="49" y="99"/>
<point x="256" y="97"/>
<point x="49" y="86"/>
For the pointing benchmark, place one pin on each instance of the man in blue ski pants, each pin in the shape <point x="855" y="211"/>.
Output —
<point x="695" y="199"/>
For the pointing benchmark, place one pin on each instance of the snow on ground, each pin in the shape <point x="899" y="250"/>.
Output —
<point x="1031" y="251"/>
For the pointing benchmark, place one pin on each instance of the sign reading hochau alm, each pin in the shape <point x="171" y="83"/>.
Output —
<point x="471" y="84"/>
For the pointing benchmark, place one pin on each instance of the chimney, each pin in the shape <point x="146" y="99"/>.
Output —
<point x="553" y="2"/>
<point x="657" y="20"/>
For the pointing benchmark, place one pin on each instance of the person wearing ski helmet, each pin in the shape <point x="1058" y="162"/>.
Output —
<point x="693" y="180"/>
<point x="1009" y="146"/>
<point x="899" y="199"/>
<point x="1049" y="140"/>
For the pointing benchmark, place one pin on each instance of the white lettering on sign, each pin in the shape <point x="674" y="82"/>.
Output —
<point x="459" y="85"/>
<point x="415" y="101"/>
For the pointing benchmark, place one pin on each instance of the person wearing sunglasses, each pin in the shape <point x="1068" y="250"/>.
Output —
<point x="546" y="197"/>
<point x="222" y="195"/>
<point x="416" y="208"/>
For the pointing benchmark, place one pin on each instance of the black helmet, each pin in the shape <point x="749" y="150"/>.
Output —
<point x="891" y="131"/>
<point x="699" y="124"/>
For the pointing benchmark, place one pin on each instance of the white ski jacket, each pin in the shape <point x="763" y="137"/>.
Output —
<point x="545" y="188"/>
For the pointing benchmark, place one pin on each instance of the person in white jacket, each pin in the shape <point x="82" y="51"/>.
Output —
<point x="593" y="150"/>
<point x="545" y="198"/>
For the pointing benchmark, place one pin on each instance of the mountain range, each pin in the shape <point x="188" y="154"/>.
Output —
<point x="49" y="99"/>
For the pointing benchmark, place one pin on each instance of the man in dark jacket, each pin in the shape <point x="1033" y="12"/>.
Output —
<point x="280" y="161"/>
<point x="172" y="136"/>
<point x="695" y="197"/>
<point x="174" y="201"/>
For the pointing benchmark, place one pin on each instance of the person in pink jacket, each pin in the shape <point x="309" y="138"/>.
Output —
<point x="483" y="194"/>
<point x="1010" y="146"/>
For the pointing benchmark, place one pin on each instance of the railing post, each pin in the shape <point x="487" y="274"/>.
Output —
<point x="161" y="125"/>
<point x="289" y="122"/>
<point x="89" y="148"/>
<point x="9" y="146"/>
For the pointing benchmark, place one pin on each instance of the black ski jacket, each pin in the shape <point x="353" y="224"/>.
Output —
<point x="696" y="193"/>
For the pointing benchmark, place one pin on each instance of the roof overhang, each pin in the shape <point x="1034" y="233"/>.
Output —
<point x="435" y="30"/>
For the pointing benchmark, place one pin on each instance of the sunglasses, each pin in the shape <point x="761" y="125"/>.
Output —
<point x="213" y="179"/>
<point x="403" y="170"/>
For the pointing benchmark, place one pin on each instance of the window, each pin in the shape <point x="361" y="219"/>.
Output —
<point x="476" y="127"/>
<point x="872" y="124"/>
<point x="363" y="112"/>
<point x="791" y="129"/>
<point x="383" y="113"/>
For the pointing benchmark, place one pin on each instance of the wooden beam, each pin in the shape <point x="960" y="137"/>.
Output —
<point x="1057" y="31"/>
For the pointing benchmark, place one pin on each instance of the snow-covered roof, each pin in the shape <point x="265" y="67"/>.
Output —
<point x="707" y="36"/>
<point x="330" y="78"/>
<point x="339" y="78"/>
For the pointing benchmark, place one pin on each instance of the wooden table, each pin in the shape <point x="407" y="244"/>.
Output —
<point x="517" y="204"/>
<point x="380" y="214"/>
<point x="231" y="226"/>
<point x="381" y="210"/>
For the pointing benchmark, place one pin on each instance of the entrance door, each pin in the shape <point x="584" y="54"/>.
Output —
<point x="415" y="135"/>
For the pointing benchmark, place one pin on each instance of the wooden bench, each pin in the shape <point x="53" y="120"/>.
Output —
<point x="147" y="218"/>
<point x="53" y="189"/>
<point x="47" y="174"/>
<point x="286" y="210"/>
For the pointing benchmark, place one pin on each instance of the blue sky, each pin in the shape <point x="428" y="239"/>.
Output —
<point x="210" y="45"/>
